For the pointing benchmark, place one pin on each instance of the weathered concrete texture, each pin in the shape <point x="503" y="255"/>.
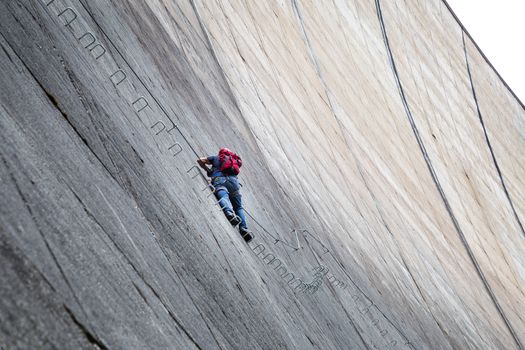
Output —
<point x="378" y="142"/>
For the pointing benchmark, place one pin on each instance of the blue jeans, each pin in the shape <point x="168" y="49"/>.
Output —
<point x="228" y="193"/>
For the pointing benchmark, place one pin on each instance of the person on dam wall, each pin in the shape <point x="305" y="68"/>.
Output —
<point x="225" y="167"/>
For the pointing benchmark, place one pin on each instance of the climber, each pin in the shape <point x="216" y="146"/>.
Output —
<point x="223" y="172"/>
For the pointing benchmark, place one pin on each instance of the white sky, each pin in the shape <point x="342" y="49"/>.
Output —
<point x="498" y="27"/>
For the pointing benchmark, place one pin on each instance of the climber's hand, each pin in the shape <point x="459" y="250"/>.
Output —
<point x="202" y="162"/>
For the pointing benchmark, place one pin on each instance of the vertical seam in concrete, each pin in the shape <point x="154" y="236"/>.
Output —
<point x="313" y="57"/>
<point x="487" y="139"/>
<point x="436" y="180"/>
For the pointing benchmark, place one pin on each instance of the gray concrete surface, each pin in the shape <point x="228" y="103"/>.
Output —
<point x="382" y="154"/>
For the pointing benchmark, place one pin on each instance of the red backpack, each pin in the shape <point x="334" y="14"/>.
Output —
<point x="230" y="162"/>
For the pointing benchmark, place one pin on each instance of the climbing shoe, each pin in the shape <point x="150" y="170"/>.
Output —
<point x="247" y="235"/>
<point x="232" y="218"/>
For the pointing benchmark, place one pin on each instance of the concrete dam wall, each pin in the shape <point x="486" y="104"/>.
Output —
<point x="383" y="177"/>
